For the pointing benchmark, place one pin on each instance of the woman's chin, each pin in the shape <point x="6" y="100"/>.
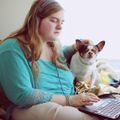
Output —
<point x="52" y="40"/>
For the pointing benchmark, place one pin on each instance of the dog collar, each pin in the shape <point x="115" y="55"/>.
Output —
<point x="86" y="64"/>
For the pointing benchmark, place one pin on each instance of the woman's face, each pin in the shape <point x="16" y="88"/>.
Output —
<point x="51" y="26"/>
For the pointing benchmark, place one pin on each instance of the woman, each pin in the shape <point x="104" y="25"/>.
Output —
<point x="33" y="73"/>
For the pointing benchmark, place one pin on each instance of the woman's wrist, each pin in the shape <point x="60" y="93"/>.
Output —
<point x="60" y="99"/>
<point x="67" y="97"/>
<point x="69" y="100"/>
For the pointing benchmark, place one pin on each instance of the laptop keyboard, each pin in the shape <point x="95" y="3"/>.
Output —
<point x="109" y="109"/>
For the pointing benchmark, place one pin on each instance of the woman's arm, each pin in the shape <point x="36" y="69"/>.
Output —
<point x="17" y="81"/>
<point x="75" y="100"/>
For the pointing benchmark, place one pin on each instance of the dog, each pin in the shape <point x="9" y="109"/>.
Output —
<point x="83" y="62"/>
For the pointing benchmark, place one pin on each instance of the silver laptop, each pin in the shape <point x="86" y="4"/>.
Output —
<point x="108" y="107"/>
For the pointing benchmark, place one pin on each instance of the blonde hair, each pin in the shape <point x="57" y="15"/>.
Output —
<point x="29" y="37"/>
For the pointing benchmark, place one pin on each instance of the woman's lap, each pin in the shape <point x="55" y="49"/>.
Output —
<point x="50" y="111"/>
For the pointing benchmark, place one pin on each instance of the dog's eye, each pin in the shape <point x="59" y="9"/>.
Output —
<point x="93" y="50"/>
<point x="86" y="50"/>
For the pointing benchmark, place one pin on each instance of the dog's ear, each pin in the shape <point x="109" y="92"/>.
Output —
<point x="78" y="43"/>
<point x="100" y="45"/>
<point x="82" y="41"/>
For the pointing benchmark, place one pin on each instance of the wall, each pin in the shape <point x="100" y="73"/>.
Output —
<point x="96" y="20"/>
<point x="12" y="14"/>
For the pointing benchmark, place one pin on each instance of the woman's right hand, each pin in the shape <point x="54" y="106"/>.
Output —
<point x="83" y="99"/>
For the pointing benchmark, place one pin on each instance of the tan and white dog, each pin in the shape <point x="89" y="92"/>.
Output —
<point x="83" y="62"/>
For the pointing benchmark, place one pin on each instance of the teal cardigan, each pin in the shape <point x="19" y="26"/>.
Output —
<point x="17" y="80"/>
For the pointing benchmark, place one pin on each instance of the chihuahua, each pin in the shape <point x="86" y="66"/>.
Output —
<point x="83" y="62"/>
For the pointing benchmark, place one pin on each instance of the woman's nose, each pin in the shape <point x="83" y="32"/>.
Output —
<point x="59" y="26"/>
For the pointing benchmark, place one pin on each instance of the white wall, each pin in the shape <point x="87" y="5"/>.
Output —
<point x="12" y="14"/>
<point x="96" y="20"/>
<point x="93" y="19"/>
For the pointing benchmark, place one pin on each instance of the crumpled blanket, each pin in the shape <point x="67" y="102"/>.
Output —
<point x="107" y="85"/>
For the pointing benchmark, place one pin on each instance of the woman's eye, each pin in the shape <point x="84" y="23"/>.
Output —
<point x="53" y="20"/>
<point x="56" y="21"/>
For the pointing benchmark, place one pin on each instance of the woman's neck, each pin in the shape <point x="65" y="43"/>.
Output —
<point x="46" y="53"/>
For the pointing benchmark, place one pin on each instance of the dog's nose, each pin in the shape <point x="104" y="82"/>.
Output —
<point x="90" y="54"/>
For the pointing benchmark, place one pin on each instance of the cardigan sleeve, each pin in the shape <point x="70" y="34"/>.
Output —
<point x="68" y="52"/>
<point x="16" y="80"/>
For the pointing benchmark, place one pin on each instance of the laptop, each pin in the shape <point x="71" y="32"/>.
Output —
<point x="107" y="107"/>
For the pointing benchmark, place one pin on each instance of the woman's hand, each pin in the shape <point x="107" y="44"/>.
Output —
<point x="83" y="99"/>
